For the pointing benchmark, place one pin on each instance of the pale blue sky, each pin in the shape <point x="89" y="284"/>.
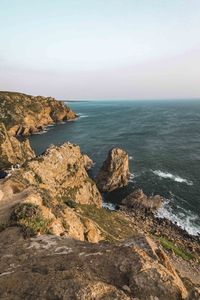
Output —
<point x="101" y="49"/>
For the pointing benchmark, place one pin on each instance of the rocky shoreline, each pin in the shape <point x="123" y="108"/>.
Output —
<point x="51" y="208"/>
<point x="25" y="114"/>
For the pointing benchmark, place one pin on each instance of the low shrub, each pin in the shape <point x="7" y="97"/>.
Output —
<point x="30" y="218"/>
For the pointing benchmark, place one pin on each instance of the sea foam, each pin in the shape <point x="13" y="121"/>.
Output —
<point x="131" y="177"/>
<point x="82" y="115"/>
<point x="184" y="219"/>
<point x="109" y="205"/>
<point x="172" y="177"/>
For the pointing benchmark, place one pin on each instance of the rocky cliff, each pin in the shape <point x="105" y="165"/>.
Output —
<point x="25" y="114"/>
<point x="50" y="209"/>
<point x="49" y="188"/>
<point x="12" y="151"/>
<point x="114" y="172"/>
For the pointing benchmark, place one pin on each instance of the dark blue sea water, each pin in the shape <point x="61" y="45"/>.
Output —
<point x="163" y="142"/>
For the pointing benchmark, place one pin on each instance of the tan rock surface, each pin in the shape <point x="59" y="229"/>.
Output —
<point x="115" y="171"/>
<point x="12" y="151"/>
<point x="54" y="182"/>
<point x="62" y="268"/>
<point x="25" y="114"/>
<point x="62" y="171"/>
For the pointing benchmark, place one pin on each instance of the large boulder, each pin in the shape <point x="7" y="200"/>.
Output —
<point x="12" y="151"/>
<point x="138" y="200"/>
<point x="115" y="171"/>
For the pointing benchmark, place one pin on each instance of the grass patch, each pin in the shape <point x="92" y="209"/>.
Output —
<point x="46" y="198"/>
<point x="179" y="252"/>
<point x="29" y="217"/>
<point x="90" y="180"/>
<point x="38" y="178"/>
<point x="70" y="193"/>
<point x="115" y="226"/>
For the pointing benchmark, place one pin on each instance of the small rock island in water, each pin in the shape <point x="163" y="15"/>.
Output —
<point x="56" y="239"/>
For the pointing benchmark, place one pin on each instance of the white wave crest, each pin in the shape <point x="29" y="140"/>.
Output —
<point x="184" y="219"/>
<point x="172" y="177"/>
<point x="82" y="115"/>
<point x="109" y="206"/>
<point x="130" y="157"/>
<point x="131" y="177"/>
<point x="41" y="132"/>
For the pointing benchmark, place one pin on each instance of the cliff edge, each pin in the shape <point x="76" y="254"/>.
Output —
<point x="25" y="114"/>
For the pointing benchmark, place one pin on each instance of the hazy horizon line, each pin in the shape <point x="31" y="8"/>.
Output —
<point x="146" y="99"/>
<point x="98" y="99"/>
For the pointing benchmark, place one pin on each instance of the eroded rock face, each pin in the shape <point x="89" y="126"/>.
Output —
<point x="115" y="171"/>
<point x="12" y="151"/>
<point x="25" y="114"/>
<point x="55" y="182"/>
<point x="69" y="269"/>
<point x="138" y="200"/>
<point x="62" y="171"/>
<point x="88" y="163"/>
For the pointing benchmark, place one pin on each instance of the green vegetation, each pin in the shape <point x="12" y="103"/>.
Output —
<point x="69" y="202"/>
<point x="88" y="179"/>
<point x="29" y="217"/>
<point x="70" y="193"/>
<point x="179" y="252"/>
<point x="38" y="178"/>
<point x="14" y="107"/>
<point x="114" y="226"/>
<point x="72" y="169"/>
<point x="46" y="198"/>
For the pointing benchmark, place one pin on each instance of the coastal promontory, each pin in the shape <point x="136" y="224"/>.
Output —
<point x="25" y="114"/>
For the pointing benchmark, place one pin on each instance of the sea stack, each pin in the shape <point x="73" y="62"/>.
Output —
<point x="115" y="171"/>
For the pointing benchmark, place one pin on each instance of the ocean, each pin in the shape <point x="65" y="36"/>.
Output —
<point x="163" y="142"/>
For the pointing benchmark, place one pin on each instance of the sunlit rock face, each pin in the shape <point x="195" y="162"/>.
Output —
<point x="115" y="171"/>
<point x="12" y="151"/>
<point x="70" y="269"/>
<point x="24" y="114"/>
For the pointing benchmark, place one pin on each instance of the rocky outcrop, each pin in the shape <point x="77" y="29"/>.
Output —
<point x="12" y="151"/>
<point x="24" y="114"/>
<point x="55" y="183"/>
<point x="61" y="170"/>
<point x="173" y="238"/>
<point x="88" y="163"/>
<point x="115" y="171"/>
<point x="62" y="268"/>
<point x="138" y="200"/>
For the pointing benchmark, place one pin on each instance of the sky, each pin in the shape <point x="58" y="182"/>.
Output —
<point x="101" y="49"/>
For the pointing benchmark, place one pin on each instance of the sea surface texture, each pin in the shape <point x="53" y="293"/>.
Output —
<point x="163" y="142"/>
